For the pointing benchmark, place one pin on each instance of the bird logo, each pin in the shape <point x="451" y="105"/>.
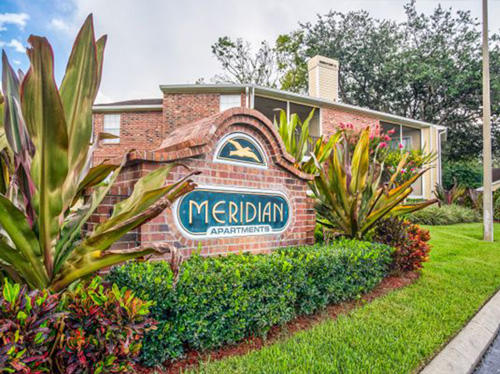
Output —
<point x="241" y="151"/>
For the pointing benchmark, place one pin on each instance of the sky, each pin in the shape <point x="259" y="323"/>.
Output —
<point x="153" y="42"/>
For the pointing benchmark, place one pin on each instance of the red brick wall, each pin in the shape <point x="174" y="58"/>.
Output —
<point x="146" y="130"/>
<point x="138" y="130"/>
<point x="331" y="118"/>
<point x="180" y="109"/>
<point x="163" y="228"/>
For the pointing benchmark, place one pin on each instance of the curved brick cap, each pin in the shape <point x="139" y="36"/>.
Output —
<point x="201" y="136"/>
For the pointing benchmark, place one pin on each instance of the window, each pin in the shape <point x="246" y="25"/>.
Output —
<point x="271" y="109"/>
<point x="303" y="111"/>
<point x="229" y="101"/>
<point x="112" y="126"/>
<point x="410" y="138"/>
<point x="405" y="141"/>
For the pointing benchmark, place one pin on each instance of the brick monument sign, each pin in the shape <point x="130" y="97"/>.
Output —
<point x="250" y="197"/>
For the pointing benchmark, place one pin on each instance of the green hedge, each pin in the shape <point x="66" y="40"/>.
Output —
<point x="444" y="215"/>
<point x="221" y="300"/>
<point x="466" y="173"/>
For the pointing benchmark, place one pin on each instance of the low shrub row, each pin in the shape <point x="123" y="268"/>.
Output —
<point x="91" y="329"/>
<point x="221" y="300"/>
<point x="444" y="215"/>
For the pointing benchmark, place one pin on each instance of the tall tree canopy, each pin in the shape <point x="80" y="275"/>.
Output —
<point x="427" y="68"/>
<point x="241" y="66"/>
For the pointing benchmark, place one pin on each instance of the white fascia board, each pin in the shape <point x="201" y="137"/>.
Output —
<point x="295" y="97"/>
<point x="126" y="108"/>
<point x="494" y="185"/>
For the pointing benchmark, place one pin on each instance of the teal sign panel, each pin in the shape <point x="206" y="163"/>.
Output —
<point x="212" y="212"/>
<point x="241" y="149"/>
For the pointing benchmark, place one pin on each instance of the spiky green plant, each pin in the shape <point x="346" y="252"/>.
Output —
<point x="294" y="133"/>
<point x="451" y="196"/>
<point x="47" y="131"/>
<point x="296" y="138"/>
<point x="350" y="198"/>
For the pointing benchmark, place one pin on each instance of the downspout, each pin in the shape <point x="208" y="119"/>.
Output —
<point x="424" y="176"/>
<point x="440" y="155"/>
<point x="431" y="130"/>
<point x="400" y="138"/>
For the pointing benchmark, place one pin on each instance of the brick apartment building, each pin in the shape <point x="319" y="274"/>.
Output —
<point x="143" y="124"/>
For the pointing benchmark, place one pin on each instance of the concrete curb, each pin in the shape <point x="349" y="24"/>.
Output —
<point x="465" y="350"/>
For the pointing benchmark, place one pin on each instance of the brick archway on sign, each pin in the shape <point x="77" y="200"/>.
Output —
<point x="194" y="145"/>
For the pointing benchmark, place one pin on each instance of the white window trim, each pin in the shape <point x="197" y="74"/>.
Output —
<point x="112" y="130"/>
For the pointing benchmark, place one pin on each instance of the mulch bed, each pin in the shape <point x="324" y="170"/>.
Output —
<point x="300" y="323"/>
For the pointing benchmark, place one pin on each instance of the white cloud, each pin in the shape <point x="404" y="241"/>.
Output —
<point x="16" y="45"/>
<point x="168" y="41"/>
<point x="18" y="19"/>
<point x="61" y="25"/>
<point x="102" y="98"/>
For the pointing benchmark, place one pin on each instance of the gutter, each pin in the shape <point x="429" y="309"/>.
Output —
<point x="293" y="97"/>
<point x="126" y="108"/>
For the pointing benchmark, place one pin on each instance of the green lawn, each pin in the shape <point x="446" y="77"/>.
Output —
<point x="397" y="333"/>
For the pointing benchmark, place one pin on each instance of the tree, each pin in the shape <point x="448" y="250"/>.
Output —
<point x="426" y="68"/>
<point x="240" y="66"/>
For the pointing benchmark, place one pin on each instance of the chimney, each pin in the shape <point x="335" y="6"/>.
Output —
<point x="323" y="78"/>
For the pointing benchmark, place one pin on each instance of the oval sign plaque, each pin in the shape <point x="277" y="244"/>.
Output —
<point x="209" y="212"/>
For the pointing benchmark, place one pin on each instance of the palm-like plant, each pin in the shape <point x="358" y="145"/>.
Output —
<point x="350" y="196"/>
<point x="451" y="196"/>
<point x="46" y="158"/>
<point x="296" y="138"/>
<point x="294" y="133"/>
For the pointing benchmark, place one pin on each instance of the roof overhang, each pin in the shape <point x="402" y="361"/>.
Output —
<point x="495" y="186"/>
<point x="294" y="97"/>
<point x="126" y="108"/>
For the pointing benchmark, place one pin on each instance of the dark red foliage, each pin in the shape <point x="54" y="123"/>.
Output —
<point x="29" y="326"/>
<point x="99" y="331"/>
<point x="409" y="241"/>
<point x="104" y="329"/>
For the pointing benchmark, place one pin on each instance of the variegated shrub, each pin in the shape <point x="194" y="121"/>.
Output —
<point x="350" y="195"/>
<point x="46" y="165"/>
<point x="29" y="326"/>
